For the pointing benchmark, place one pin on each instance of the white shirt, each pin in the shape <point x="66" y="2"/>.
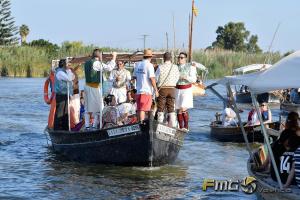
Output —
<point x="143" y="71"/>
<point x="228" y="117"/>
<point x="62" y="76"/>
<point x="98" y="66"/>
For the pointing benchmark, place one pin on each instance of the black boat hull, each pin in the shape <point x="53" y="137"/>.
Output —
<point x="245" y="97"/>
<point x="235" y="134"/>
<point x="131" y="145"/>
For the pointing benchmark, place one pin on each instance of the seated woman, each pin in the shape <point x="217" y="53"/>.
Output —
<point x="266" y="114"/>
<point x="127" y="110"/>
<point x="228" y="116"/>
<point x="283" y="150"/>
<point x="110" y="112"/>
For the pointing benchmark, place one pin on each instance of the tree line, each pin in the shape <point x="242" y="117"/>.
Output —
<point x="14" y="47"/>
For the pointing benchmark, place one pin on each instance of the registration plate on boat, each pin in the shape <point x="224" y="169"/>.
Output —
<point x="166" y="130"/>
<point x="123" y="130"/>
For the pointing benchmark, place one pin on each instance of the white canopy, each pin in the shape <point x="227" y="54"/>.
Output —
<point x="249" y="68"/>
<point x="282" y="75"/>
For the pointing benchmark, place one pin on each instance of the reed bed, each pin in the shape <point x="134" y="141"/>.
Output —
<point x="27" y="61"/>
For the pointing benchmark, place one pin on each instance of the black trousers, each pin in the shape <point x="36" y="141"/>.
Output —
<point x="61" y="120"/>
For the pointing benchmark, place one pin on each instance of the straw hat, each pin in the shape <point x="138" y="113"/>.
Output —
<point x="148" y="53"/>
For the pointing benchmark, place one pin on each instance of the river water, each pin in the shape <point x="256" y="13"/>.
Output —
<point x="30" y="170"/>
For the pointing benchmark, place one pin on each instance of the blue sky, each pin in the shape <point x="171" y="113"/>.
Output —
<point x="120" y="23"/>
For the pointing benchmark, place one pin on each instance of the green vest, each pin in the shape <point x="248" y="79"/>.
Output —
<point x="91" y="76"/>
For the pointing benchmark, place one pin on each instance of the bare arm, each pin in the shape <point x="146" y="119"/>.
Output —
<point x="290" y="177"/>
<point x="153" y="83"/>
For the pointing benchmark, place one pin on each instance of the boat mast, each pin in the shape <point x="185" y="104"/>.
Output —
<point x="191" y="24"/>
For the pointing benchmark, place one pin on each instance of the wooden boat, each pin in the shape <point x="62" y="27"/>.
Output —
<point x="245" y="97"/>
<point x="287" y="107"/>
<point x="149" y="144"/>
<point x="234" y="134"/>
<point x="198" y="89"/>
<point x="268" y="189"/>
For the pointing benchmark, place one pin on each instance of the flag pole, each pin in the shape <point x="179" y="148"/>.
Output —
<point x="191" y="24"/>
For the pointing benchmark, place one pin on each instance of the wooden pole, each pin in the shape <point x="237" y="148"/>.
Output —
<point x="191" y="33"/>
<point x="174" y="40"/>
<point x="167" y="39"/>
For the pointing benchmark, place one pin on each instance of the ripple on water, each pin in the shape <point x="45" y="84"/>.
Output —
<point x="30" y="170"/>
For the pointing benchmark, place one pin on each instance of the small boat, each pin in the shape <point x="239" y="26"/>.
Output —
<point x="198" y="89"/>
<point x="243" y="95"/>
<point x="234" y="133"/>
<point x="148" y="144"/>
<point x="287" y="107"/>
<point x="267" y="188"/>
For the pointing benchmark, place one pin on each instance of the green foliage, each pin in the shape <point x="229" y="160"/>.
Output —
<point x="234" y="36"/>
<point x="222" y="62"/>
<point x="4" y="71"/>
<point x="34" y="59"/>
<point x="24" y="31"/>
<point x="51" y="49"/>
<point x="8" y="30"/>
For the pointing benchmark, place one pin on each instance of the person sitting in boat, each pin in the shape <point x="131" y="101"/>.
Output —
<point x="127" y="110"/>
<point x="281" y="145"/>
<point x="266" y="114"/>
<point x="229" y="116"/>
<point x="167" y="76"/>
<point x="63" y="87"/>
<point x="295" y="95"/>
<point x="120" y="78"/>
<point x="110" y="112"/>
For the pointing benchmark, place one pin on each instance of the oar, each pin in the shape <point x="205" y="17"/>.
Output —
<point x="69" y="121"/>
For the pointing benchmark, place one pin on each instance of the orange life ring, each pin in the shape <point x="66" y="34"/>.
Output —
<point x="50" y="80"/>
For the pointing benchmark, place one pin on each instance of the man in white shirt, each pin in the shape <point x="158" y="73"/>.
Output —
<point x="145" y="83"/>
<point x="93" y="99"/>
<point x="229" y="116"/>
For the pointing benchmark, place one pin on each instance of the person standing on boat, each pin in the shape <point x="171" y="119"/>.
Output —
<point x="120" y="78"/>
<point x="63" y="86"/>
<point x="93" y="99"/>
<point x="145" y="83"/>
<point x="184" y="91"/>
<point x="167" y="76"/>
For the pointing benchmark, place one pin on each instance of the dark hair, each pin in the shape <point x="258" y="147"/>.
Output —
<point x="167" y="56"/>
<point x="108" y="99"/>
<point x="292" y="121"/>
<point x="293" y="142"/>
<point x="96" y="50"/>
<point x="183" y="53"/>
<point x="286" y="134"/>
<point x="62" y="63"/>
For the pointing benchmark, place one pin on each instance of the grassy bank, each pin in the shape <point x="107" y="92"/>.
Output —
<point x="26" y="61"/>
<point x="221" y="63"/>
